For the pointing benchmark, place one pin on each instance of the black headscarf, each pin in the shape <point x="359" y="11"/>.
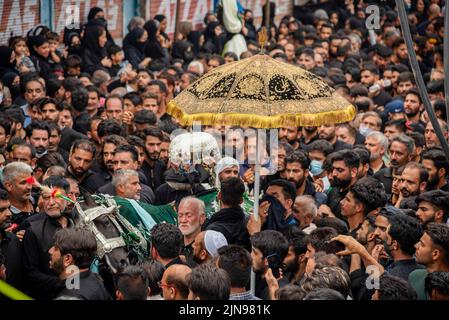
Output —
<point x="194" y="38"/>
<point x="90" y="41"/>
<point x="152" y="26"/>
<point x="93" y="12"/>
<point x="132" y="39"/>
<point x="153" y="48"/>
<point x="181" y="50"/>
<point x="36" y="41"/>
<point x="209" y="32"/>
<point x="5" y="58"/>
<point x="7" y="80"/>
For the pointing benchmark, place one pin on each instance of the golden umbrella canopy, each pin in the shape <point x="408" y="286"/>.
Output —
<point x="260" y="92"/>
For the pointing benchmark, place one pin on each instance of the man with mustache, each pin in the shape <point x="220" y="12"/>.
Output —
<point x="191" y="216"/>
<point x="436" y="163"/>
<point x="15" y="177"/>
<point x="153" y="167"/>
<point x="290" y="134"/>
<point x="297" y="172"/>
<point x="106" y="165"/>
<point x="413" y="181"/>
<point x="401" y="152"/>
<point x="343" y="173"/>
<point x="80" y="162"/>
<point x="10" y="244"/>
<point x="38" y="135"/>
<point x="42" y="282"/>
<point x="433" y="207"/>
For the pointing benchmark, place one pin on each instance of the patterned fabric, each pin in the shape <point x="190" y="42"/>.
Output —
<point x="260" y="92"/>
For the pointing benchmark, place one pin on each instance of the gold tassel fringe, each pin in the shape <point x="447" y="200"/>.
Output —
<point x="262" y="122"/>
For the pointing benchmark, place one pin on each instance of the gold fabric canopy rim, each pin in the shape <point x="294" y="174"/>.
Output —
<point x="260" y="121"/>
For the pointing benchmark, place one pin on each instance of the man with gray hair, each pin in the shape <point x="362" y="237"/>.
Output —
<point x="377" y="144"/>
<point x="15" y="176"/>
<point x="191" y="217"/>
<point x="401" y="152"/>
<point x="305" y="211"/>
<point x="126" y="184"/>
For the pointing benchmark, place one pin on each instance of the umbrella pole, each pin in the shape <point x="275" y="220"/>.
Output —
<point x="446" y="57"/>
<point x="256" y="203"/>
<point x="418" y="76"/>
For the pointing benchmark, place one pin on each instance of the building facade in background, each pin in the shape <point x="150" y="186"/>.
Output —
<point x="19" y="16"/>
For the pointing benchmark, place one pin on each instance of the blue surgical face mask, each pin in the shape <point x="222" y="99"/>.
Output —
<point x="365" y="130"/>
<point x="316" y="167"/>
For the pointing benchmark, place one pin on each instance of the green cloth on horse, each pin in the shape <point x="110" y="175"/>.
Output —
<point x="167" y="213"/>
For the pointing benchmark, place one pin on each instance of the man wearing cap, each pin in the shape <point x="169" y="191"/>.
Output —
<point x="206" y="245"/>
<point x="226" y="168"/>
<point x="395" y="109"/>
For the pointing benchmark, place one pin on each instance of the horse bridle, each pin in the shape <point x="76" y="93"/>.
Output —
<point x="105" y="245"/>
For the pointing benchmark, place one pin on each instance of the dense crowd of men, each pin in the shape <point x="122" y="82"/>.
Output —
<point x="355" y="210"/>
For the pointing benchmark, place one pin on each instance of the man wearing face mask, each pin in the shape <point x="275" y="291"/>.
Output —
<point x="42" y="283"/>
<point x="318" y="151"/>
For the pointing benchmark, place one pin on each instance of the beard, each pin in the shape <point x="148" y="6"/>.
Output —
<point x="40" y="150"/>
<point x="310" y="129"/>
<point x="78" y="172"/>
<point x="57" y="266"/>
<point x="426" y="222"/>
<point x="412" y="113"/>
<point x="5" y="225"/>
<point x="363" y="240"/>
<point x="153" y="155"/>
<point x="432" y="183"/>
<point x="286" y="140"/>
<point x="340" y="183"/>
<point x="292" y="266"/>
<point x="297" y="183"/>
<point x="374" y="156"/>
<point x="406" y="193"/>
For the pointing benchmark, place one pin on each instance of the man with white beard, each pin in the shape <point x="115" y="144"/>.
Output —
<point x="191" y="216"/>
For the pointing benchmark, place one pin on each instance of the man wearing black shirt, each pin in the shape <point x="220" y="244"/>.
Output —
<point x="15" y="177"/>
<point x="327" y="132"/>
<point x="10" y="245"/>
<point x="41" y="282"/>
<point x="153" y="167"/>
<point x="401" y="150"/>
<point x="80" y="161"/>
<point x="106" y="167"/>
<point x="345" y="165"/>
<point x="435" y="162"/>
<point x="126" y="158"/>
<point x="402" y="235"/>
<point x="71" y="256"/>
<point x="166" y="244"/>
<point x="269" y="249"/>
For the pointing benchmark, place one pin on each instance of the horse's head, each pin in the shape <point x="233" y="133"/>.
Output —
<point x="100" y="220"/>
